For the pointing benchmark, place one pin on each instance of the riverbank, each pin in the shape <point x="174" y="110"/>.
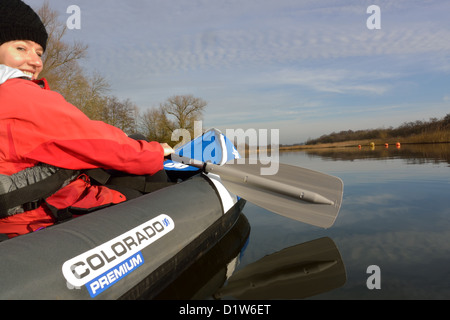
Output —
<point x="424" y="132"/>
<point x="419" y="139"/>
<point x="410" y="151"/>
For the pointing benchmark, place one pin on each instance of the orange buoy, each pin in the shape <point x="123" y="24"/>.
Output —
<point x="386" y="145"/>
<point x="397" y="145"/>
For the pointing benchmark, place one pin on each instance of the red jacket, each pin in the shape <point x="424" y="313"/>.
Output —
<point x="38" y="125"/>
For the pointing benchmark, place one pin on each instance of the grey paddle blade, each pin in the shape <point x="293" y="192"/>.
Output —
<point x="297" y="193"/>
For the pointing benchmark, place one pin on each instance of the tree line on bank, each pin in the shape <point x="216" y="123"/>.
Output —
<point x="434" y="130"/>
<point x="90" y="92"/>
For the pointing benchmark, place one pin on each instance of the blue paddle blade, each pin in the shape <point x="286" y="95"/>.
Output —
<point x="212" y="146"/>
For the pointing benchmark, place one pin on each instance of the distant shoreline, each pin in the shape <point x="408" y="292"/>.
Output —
<point x="416" y="132"/>
<point x="357" y="143"/>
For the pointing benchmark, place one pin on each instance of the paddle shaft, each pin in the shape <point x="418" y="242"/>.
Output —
<point x="227" y="173"/>
<point x="294" y="192"/>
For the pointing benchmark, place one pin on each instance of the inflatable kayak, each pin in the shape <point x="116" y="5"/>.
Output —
<point x="126" y="250"/>
<point x="137" y="248"/>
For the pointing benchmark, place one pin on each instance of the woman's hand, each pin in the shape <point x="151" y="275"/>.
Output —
<point x="167" y="149"/>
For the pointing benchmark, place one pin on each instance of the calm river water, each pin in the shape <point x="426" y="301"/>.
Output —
<point x="393" y="230"/>
<point x="391" y="239"/>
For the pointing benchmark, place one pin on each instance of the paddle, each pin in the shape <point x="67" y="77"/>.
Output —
<point x="297" y="193"/>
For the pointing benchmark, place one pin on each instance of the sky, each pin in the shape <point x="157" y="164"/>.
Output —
<point x="303" y="67"/>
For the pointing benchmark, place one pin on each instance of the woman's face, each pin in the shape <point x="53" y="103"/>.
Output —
<point x="24" y="55"/>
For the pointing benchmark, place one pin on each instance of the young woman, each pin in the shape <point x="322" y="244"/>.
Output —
<point x="39" y="128"/>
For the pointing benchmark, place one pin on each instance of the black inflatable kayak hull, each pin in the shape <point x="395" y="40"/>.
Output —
<point x="130" y="250"/>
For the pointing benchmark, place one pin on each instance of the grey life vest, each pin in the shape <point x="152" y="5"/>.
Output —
<point x="23" y="190"/>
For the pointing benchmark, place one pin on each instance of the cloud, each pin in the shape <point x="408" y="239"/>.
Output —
<point x="337" y="80"/>
<point x="325" y="48"/>
<point x="258" y="61"/>
<point x="160" y="37"/>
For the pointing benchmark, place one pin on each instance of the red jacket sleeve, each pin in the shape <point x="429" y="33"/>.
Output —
<point x="38" y="125"/>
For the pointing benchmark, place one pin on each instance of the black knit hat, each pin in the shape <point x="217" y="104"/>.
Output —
<point x="19" y="22"/>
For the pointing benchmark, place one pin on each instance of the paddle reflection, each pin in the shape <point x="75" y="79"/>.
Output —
<point x="296" y="272"/>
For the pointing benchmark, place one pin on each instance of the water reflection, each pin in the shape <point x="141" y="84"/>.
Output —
<point x="395" y="215"/>
<point x="210" y="271"/>
<point x="296" y="272"/>
<point x="411" y="153"/>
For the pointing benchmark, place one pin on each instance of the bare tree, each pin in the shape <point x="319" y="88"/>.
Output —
<point x="155" y="125"/>
<point x="185" y="109"/>
<point x="178" y="112"/>
<point x="62" y="70"/>
<point x="120" y="114"/>
<point x="59" y="57"/>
